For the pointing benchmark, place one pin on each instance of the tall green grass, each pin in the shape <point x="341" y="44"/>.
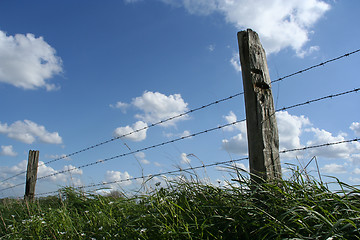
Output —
<point x="188" y="209"/>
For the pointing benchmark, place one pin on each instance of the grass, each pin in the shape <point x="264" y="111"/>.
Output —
<point x="188" y="209"/>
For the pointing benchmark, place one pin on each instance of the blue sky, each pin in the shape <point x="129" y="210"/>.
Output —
<point x="73" y="74"/>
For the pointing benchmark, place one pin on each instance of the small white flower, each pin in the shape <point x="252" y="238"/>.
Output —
<point x="100" y="228"/>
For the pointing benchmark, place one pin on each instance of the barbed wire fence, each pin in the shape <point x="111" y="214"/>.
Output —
<point x="186" y="137"/>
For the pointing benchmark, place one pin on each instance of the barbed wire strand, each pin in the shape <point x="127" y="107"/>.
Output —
<point x="203" y="166"/>
<point x="130" y="133"/>
<point x="185" y="113"/>
<point x="182" y="138"/>
<point x="317" y="65"/>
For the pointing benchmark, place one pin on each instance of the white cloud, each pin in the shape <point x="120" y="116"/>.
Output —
<point x="307" y="52"/>
<point x="157" y="106"/>
<point x="341" y="151"/>
<point x="157" y="164"/>
<point x="356" y="171"/>
<point x="8" y="151"/>
<point x="236" y="144"/>
<point x="355" y="126"/>
<point x="27" y="62"/>
<point x="290" y="128"/>
<point x="185" y="159"/>
<point x="62" y="156"/>
<point x="280" y="23"/>
<point x="231" y="118"/>
<point x="211" y="47"/>
<point x="355" y="158"/>
<point x="43" y="170"/>
<point x="141" y="157"/>
<point x="132" y="1"/>
<point x="233" y="166"/>
<point x="333" y="168"/>
<point x="135" y="136"/>
<point x="186" y="133"/>
<point x="120" y="105"/>
<point x="145" y="161"/>
<point x="28" y="131"/>
<point x="235" y="62"/>
<point x="118" y="177"/>
<point x="354" y="180"/>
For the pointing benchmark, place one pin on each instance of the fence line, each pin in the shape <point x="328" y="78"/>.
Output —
<point x="185" y="113"/>
<point x="193" y="135"/>
<point x="133" y="132"/>
<point x="203" y="166"/>
<point x="182" y="138"/>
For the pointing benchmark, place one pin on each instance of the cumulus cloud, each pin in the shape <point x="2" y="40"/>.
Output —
<point x="120" y="105"/>
<point x="27" y="61"/>
<point x="236" y="144"/>
<point x="186" y="133"/>
<point x="211" y="47"/>
<point x="355" y="126"/>
<point x="56" y="156"/>
<point x="8" y="151"/>
<point x="154" y="107"/>
<point x="135" y="136"/>
<point x="280" y="24"/>
<point x="117" y="178"/>
<point x="356" y="171"/>
<point x="322" y="136"/>
<point x="43" y="170"/>
<point x="290" y="128"/>
<point x="231" y="118"/>
<point x="27" y="131"/>
<point x="333" y="168"/>
<point x="157" y="106"/>
<point x="233" y="166"/>
<point x="184" y="158"/>
<point x="141" y="157"/>
<point x="235" y="62"/>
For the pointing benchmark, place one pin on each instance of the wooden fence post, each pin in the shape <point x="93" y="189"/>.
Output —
<point x="31" y="175"/>
<point x="262" y="132"/>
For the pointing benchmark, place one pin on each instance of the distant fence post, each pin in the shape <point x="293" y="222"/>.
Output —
<point x="262" y="132"/>
<point x="31" y="175"/>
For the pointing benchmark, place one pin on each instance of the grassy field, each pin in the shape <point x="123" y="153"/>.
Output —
<point x="189" y="209"/>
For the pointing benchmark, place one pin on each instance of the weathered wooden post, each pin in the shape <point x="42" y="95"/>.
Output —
<point x="31" y="175"/>
<point x="262" y="132"/>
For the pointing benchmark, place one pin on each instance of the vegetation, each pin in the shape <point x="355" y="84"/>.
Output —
<point x="188" y="209"/>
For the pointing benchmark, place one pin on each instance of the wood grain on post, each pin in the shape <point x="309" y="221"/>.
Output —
<point x="262" y="132"/>
<point x="31" y="175"/>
